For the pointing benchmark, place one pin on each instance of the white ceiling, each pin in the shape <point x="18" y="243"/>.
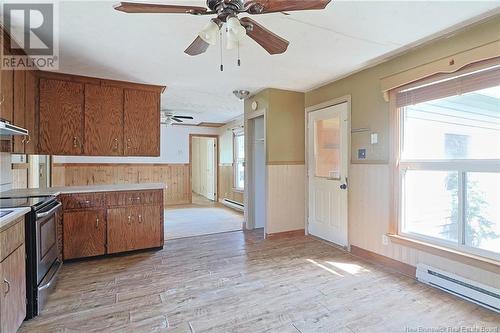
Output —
<point x="98" y="41"/>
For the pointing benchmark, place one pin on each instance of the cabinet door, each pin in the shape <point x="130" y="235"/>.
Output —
<point x="7" y="98"/>
<point x="134" y="228"/>
<point x="19" y="118"/>
<point x="103" y="120"/>
<point x="120" y="230"/>
<point x="84" y="234"/>
<point x="148" y="227"/>
<point x="61" y="117"/>
<point x="30" y="106"/>
<point x="142" y="123"/>
<point x="13" y="291"/>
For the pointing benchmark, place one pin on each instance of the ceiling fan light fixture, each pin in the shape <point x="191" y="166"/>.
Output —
<point x="234" y="27"/>
<point x="232" y="40"/>
<point x="210" y="33"/>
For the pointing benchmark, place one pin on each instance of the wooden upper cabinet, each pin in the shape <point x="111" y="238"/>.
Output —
<point x="61" y="117"/>
<point x="31" y="107"/>
<point x="7" y="95"/>
<point x="19" y="116"/>
<point x="84" y="233"/>
<point x="103" y="120"/>
<point x="142" y="122"/>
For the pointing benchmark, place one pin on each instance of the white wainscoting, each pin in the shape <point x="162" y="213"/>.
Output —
<point x="285" y="198"/>
<point x="369" y="219"/>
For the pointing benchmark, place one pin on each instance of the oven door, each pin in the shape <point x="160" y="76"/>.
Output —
<point x="46" y="238"/>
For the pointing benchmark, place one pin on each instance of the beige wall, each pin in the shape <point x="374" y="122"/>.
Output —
<point x="369" y="190"/>
<point x="285" y="138"/>
<point x="370" y="110"/>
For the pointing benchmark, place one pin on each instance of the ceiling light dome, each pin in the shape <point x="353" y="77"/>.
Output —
<point x="210" y="32"/>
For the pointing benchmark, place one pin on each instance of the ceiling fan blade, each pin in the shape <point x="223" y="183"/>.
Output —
<point x="136" y="7"/>
<point x="176" y="120"/>
<point x="271" y="42"/>
<point x="273" y="6"/>
<point x="198" y="46"/>
<point x="183" y="117"/>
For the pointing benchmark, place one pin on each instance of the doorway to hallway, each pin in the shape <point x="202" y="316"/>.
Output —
<point x="204" y="164"/>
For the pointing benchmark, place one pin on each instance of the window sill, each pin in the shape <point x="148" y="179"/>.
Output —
<point x="462" y="257"/>
<point x="239" y="190"/>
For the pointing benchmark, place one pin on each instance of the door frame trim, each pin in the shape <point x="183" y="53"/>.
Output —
<point x="216" y="180"/>
<point x="249" y="168"/>
<point x="317" y="107"/>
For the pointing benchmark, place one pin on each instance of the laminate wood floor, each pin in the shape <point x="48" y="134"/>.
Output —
<point x="238" y="282"/>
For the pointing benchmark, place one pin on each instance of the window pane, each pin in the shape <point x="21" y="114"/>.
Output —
<point x="431" y="204"/>
<point x="240" y="146"/>
<point x="458" y="127"/>
<point x="240" y="175"/>
<point x="327" y="147"/>
<point x="483" y="211"/>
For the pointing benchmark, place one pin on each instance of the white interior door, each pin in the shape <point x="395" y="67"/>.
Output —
<point x="210" y="168"/>
<point x="328" y="162"/>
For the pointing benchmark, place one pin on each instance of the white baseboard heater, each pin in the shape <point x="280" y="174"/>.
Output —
<point x="478" y="293"/>
<point x="233" y="204"/>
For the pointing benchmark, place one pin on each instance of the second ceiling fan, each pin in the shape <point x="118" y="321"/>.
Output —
<point x="227" y="11"/>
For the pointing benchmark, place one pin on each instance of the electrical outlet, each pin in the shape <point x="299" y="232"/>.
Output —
<point x="385" y="240"/>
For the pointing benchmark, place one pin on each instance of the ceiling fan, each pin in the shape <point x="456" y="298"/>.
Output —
<point x="167" y="118"/>
<point x="227" y="11"/>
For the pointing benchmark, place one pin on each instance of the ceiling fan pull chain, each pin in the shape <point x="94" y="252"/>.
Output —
<point x="239" y="59"/>
<point x="221" y="64"/>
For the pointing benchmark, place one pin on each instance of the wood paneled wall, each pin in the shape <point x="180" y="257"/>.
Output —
<point x="285" y="198"/>
<point x="226" y="180"/>
<point x="175" y="176"/>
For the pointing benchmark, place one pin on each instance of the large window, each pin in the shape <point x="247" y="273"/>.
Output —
<point x="449" y="161"/>
<point x="239" y="160"/>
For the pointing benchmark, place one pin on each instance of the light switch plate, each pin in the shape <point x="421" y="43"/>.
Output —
<point x="374" y="138"/>
<point x="361" y="154"/>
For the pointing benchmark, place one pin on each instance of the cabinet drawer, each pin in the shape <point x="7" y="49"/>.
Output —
<point x="81" y="201"/>
<point x="11" y="239"/>
<point x="134" y="198"/>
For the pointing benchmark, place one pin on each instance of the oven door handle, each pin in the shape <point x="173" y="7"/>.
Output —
<point x="48" y="284"/>
<point x="40" y="215"/>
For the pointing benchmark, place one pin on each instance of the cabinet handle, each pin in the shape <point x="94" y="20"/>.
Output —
<point x="2" y="100"/>
<point x="75" y="142"/>
<point x="128" y="143"/>
<point x="115" y="147"/>
<point x="23" y="141"/>
<point x="29" y="139"/>
<point x="140" y="218"/>
<point x="129" y="219"/>
<point x="8" y="286"/>
<point x="97" y="222"/>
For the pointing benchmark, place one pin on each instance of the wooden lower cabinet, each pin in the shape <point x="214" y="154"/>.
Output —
<point x="13" y="291"/>
<point x="134" y="228"/>
<point x="84" y="233"/>
<point x="108" y="222"/>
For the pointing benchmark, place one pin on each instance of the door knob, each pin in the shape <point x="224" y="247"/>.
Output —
<point x="7" y="283"/>
<point x="344" y="186"/>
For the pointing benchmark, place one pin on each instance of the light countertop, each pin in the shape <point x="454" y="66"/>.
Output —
<point x="80" y="189"/>
<point x="15" y="213"/>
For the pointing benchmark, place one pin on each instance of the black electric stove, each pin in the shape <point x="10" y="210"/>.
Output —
<point x="42" y="262"/>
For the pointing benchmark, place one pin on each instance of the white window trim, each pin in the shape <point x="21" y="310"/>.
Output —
<point x="399" y="166"/>
<point x="236" y="161"/>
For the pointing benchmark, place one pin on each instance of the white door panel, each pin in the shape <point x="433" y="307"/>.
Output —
<point x="328" y="161"/>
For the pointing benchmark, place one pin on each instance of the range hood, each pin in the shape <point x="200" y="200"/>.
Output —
<point x="9" y="129"/>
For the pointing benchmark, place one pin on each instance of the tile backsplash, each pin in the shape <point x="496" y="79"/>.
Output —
<point x="5" y="172"/>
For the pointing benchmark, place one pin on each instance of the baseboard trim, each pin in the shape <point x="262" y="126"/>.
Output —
<point x="396" y="265"/>
<point x="286" y="234"/>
